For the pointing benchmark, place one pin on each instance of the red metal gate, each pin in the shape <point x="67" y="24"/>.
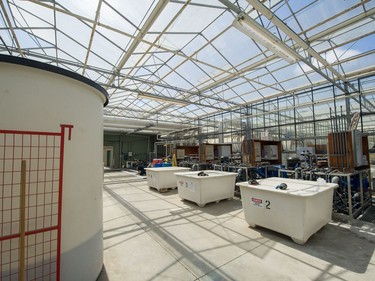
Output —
<point x="31" y="180"/>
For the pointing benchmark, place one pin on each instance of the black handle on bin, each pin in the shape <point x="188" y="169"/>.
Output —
<point x="282" y="186"/>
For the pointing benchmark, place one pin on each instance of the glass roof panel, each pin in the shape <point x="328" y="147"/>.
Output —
<point x="144" y="51"/>
<point x="321" y="11"/>
<point x="85" y="8"/>
<point x="364" y="62"/>
<point x="237" y="47"/>
<point x="369" y="5"/>
<point x="195" y="18"/>
<point x="120" y="18"/>
<point x="24" y="15"/>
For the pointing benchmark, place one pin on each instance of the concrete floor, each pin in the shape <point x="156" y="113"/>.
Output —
<point x="156" y="236"/>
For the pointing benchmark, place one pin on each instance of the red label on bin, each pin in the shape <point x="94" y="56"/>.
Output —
<point x="256" y="202"/>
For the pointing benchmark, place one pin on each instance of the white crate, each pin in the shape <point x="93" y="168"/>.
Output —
<point x="163" y="177"/>
<point x="204" y="189"/>
<point x="299" y="211"/>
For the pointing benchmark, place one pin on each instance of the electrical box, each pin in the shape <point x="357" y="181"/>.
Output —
<point x="224" y="150"/>
<point x="180" y="153"/>
<point x="257" y="152"/>
<point x="209" y="152"/>
<point x="270" y="152"/>
<point x="357" y="148"/>
<point x="348" y="151"/>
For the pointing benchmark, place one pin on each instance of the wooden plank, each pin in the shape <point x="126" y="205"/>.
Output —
<point x="21" y="241"/>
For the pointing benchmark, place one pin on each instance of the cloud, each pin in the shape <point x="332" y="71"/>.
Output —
<point x="331" y="57"/>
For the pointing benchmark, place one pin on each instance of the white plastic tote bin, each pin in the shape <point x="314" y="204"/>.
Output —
<point x="215" y="186"/>
<point x="163" y="177"/>
<point x="299" y="211"/>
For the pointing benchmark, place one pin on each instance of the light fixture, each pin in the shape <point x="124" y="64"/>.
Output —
<point x="163" y="99"/>
<point x="254" y="30"/>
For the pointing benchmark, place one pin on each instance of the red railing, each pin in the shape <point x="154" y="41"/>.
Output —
<point x="31" y="181"/>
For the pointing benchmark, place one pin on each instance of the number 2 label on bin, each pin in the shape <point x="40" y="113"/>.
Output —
<point x="257" y="202"/>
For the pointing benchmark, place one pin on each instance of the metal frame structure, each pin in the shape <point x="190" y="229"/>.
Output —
<point x="302" y="119"/>
<point x="31" y="184"/>
<point x="174" y="66"/>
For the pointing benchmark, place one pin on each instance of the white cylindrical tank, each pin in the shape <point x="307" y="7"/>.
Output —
<point x="39" y="97"/>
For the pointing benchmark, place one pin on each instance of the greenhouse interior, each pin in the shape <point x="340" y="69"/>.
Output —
<point x="187" y="140"/>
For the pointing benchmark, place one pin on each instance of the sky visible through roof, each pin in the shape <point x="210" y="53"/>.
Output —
<point x="177" y="61"/>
